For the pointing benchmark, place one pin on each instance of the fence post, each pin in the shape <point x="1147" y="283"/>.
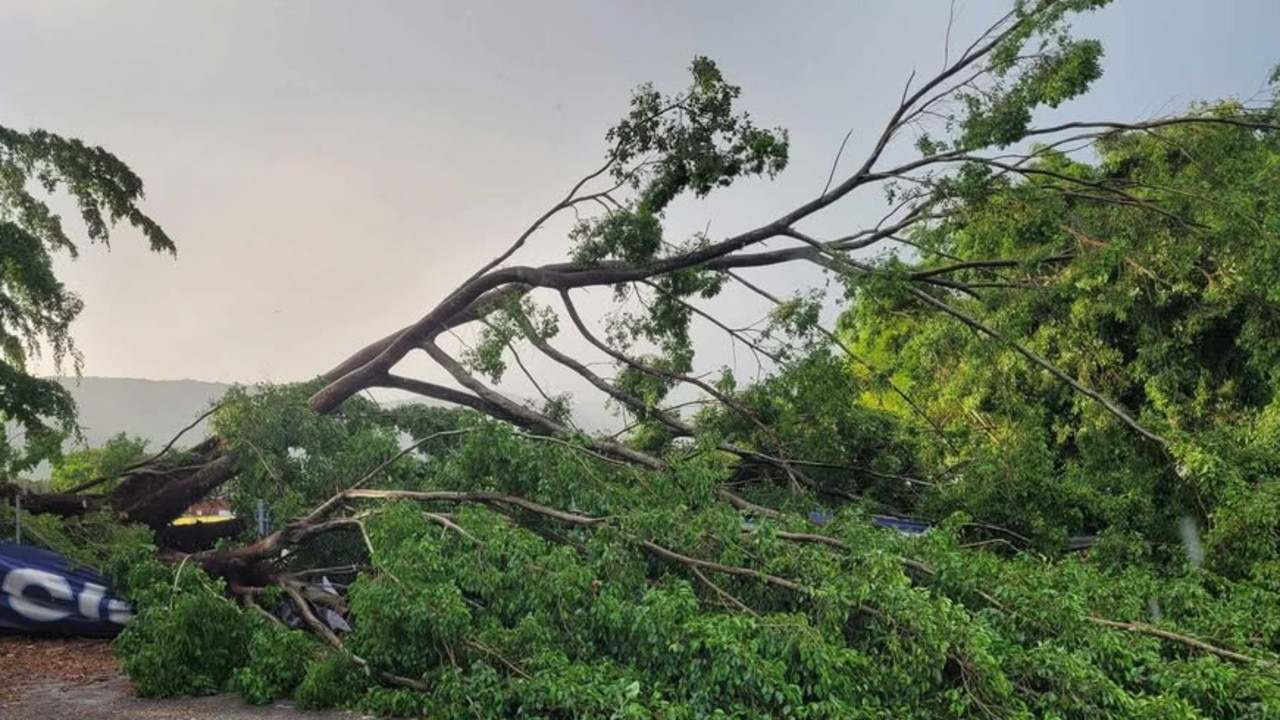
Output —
<point x="17" y="519"/>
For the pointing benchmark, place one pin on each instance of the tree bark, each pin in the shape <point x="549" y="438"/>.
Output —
<point x="150" y="496"/>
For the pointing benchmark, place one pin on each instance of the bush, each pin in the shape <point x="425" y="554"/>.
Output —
<point x="278" y="662"/>
<point x="191" y="645"/>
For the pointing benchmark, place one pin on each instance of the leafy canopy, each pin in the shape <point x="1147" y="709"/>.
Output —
<point x="1148" y="274"/>
<point x="36" y="308"/>
<point x="86" y="465"/>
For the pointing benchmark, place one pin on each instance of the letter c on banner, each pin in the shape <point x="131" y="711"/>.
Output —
<point x="20" y="579"/>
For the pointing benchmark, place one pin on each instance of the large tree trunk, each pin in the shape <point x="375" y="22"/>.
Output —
<point x="149" y="495"/>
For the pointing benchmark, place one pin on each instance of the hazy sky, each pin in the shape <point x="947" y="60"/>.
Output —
<point x="329" y="170"/>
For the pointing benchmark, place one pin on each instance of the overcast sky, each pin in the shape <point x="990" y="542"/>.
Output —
<point x="329" y="170"/>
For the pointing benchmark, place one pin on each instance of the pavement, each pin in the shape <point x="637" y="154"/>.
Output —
<point x="42" y="679"/>
<point x="110" y="699"/>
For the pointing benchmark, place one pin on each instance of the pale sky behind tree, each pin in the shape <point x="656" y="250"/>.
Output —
<point x="330" y="170"/>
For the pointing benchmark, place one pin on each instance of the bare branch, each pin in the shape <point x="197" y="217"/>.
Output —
<point x="530" y="418"/>
<point x="836" y="163"/>
<point x="1152" y="630"/>
<point x="754" y="347"/>
<point x="979" y="264"/>
<point x="729" y="598"/>
<point x="637" y="405"/>
<point x="324" y="509"/>
<point x="488" y="498"/>
<point x="515" y="354"/>
<point x="723" y="398"/>
<point x="482" y="306"/>
<point x="524" y="236"/>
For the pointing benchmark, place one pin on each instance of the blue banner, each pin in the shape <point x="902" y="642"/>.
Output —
<point x="40" y="592"/>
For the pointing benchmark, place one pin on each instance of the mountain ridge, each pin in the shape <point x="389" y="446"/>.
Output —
<point x="151" y="409"/>
<point x="156" y="410"/>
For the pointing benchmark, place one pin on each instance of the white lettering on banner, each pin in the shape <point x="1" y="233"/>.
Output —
<point x="119" y="612"/>
<point x="89" y="601"/>
<point x="20" y="579"/>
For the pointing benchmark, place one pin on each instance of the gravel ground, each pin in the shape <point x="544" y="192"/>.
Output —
<point x="44" y="679"/>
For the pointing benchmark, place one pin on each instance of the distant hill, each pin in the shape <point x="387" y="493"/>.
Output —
<point x="154" y="410"/>
<point x="157" y="409"/>
<point x="151" y="409"/>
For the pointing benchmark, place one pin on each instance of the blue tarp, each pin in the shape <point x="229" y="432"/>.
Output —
<point x="902" y="525"/>
<point x="906" y="527"/>
<point x="41" y="592"/>
<point x="918" y="527"/>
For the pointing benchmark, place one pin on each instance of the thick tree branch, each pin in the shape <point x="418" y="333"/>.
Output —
<point x="449" y="395"/>
<point x="481" y="307"/>
<point x="149" y="460"/>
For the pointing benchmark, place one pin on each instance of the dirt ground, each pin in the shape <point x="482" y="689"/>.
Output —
<point x="42" y="679"/>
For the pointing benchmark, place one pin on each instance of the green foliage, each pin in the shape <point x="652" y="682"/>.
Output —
<point x="1144" y="273"/>
<point x="79" y="467"/>
<point x="36" y="309"/>
<point x="691" y="142"/>
<point x="633" y="236"/>
<point x="94" y="540"/>
<point x="1037" y="64"/>
<point x="1148" y="276"/>
<point x="188" y="638"/>
<point x="191" y="643"/>
<point x="522" y="318"/>
<point x="295" y="459"/>
<point x="292" y="459"/>
<point x="290" y="456"/>
<point x="331" y="681"/>
<point x="278" y="662"/>
<point x="667" y="146"/>
<point x="814" y="410"/>
<point x="537" y="618"/>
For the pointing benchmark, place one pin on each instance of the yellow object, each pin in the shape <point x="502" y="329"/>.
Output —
<point x="193" y="519"/>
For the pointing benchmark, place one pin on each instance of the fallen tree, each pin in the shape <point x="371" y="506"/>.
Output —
<point x="509" y="563"/>
<point x="508" y="574"/>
